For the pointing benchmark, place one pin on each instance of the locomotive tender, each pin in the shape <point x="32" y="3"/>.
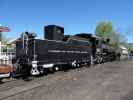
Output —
<point x="36" y="55"/>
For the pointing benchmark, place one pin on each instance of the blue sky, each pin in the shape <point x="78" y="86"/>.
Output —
<point x="75" y="15"/>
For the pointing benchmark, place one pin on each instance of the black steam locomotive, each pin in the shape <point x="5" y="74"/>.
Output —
<point x="35" y="56"/>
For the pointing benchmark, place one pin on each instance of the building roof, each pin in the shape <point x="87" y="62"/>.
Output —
<point x="15" y="40"/>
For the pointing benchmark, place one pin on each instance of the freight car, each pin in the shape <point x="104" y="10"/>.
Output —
<point x="34" y="56"/>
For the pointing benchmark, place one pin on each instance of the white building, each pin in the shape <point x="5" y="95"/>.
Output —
<point x="124" y="50"/>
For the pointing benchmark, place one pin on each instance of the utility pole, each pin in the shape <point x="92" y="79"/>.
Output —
<point x="0" y="42"/>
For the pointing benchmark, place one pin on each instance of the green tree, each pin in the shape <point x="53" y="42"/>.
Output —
<point x="5" y="41"/>
<point x="104" y="29"/>
<point x="114" y="39"/>
<point x="0" y="35"/>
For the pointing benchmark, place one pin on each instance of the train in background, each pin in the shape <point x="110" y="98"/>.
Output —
<point x="56" y="51"/>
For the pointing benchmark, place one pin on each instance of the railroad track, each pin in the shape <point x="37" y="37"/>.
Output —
<point x="15" y="87"/>
<point x="18" y="84"/>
